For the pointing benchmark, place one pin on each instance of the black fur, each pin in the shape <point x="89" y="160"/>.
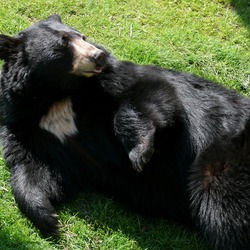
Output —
<point x="187" y="136"/>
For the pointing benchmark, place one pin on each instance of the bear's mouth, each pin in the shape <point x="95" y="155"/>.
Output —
<point x="96" y="71"/>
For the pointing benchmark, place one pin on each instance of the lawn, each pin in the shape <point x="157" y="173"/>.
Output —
<point x="208" y="38"/>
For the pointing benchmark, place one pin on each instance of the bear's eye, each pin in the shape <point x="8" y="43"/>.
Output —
<point x="84" y="38"/>
<point x="65" y="40"/>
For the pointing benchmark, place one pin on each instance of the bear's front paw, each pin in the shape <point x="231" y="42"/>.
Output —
<point x="140" y="156"/>
<point x="51" y="225"/>
<point x="46" y="220"/>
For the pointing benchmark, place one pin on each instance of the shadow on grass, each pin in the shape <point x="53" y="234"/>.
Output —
<point x="243" y="9"/>
<point x="147" y="233"/>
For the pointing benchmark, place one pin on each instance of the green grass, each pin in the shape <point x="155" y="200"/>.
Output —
<point x="207" y="38"/>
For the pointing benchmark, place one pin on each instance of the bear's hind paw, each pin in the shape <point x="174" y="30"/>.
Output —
<point x="140" y="156"/>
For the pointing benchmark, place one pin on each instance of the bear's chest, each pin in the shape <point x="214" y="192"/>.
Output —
<point x="59" y="120"/>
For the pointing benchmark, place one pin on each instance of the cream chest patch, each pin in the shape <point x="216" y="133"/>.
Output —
<point x="60" y="120"/>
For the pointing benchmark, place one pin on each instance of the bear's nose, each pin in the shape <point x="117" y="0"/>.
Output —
<point x="99" y="58"/>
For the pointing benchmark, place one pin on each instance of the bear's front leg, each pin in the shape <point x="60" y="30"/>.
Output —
<point x="34" y="188"/>
<point x="136" y="133"/>
<point x="34" y="185"/>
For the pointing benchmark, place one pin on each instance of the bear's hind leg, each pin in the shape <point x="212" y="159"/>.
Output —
<point x="220" y="197"/>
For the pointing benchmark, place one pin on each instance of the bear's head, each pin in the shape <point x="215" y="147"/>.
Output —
<point x="49" y="51"/>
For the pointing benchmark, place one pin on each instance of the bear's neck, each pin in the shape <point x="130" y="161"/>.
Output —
<point x="24" y="104"/>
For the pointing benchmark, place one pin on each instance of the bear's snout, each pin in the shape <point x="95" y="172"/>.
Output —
<point x="88" y="60"/>
<point x="99" y="58"/>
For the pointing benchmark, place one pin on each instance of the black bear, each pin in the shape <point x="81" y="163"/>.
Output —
<point x="74" y="118"/>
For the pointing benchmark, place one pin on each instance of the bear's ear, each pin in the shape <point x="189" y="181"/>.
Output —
<point x="55" y="18"/>
<point x="8" y="46"/>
